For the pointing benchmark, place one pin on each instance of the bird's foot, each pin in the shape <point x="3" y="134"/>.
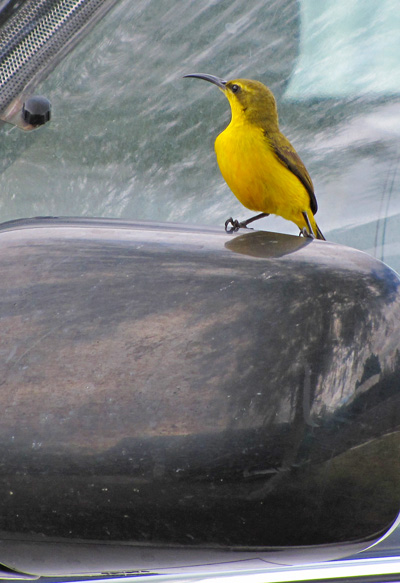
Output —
<point x="305" y="233"/>
<point x="235" y="225"/>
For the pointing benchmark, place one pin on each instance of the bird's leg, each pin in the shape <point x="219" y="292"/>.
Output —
<point x="236" y="225"/>
<point x="307" y="233"/>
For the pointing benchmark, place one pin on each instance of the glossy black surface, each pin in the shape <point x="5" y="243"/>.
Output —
<point x="173" y="386"/>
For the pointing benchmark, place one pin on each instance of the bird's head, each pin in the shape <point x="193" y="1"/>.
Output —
<point x="250" y="101"/>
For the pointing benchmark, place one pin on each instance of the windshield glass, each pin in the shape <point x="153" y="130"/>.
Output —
<point x="130" y="138"/>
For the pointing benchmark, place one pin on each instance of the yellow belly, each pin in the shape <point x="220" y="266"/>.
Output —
<point x="256" y="176"/>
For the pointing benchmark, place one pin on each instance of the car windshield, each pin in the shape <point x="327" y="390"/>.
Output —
<point x="130" y="138"/>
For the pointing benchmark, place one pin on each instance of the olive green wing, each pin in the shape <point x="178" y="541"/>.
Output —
<point x="286" y="154"/>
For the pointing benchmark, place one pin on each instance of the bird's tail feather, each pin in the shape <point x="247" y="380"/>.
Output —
<point x="318" y="233"/>
<point x="308" y="221"/>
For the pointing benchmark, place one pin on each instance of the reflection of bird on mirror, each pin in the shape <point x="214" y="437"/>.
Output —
<point x="266" y="244"/>
<point x="258" y="162"/>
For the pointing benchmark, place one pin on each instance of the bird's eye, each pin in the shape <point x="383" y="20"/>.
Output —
<point x="235" y="88"/>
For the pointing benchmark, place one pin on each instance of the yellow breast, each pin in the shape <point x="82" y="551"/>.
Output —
<point x="256" y="176"/>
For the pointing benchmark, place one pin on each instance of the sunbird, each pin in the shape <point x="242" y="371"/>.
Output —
<point x="258" y="162"/>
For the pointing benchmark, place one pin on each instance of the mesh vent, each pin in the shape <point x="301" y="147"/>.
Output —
<point x="37" y="36"/>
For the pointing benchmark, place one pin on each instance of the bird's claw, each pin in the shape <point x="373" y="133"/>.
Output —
<point x="235" y="225"/>
<point x="306" y="234"/>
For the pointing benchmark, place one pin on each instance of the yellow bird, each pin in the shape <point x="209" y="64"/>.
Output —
<point x="258" y="162"/>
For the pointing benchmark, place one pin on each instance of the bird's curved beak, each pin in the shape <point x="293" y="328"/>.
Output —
<point x="221" y="83"/>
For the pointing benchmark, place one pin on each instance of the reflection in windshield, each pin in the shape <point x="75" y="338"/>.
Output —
<point x="129" y="138"/>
